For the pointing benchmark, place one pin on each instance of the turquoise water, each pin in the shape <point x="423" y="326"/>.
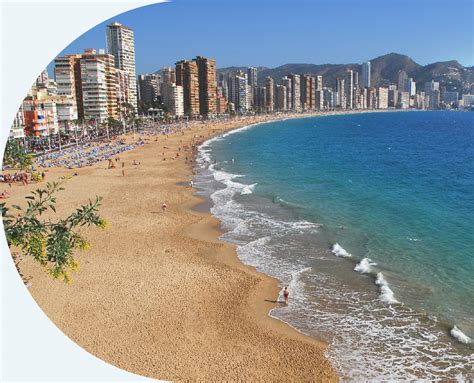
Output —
<point x="369" y="219"/>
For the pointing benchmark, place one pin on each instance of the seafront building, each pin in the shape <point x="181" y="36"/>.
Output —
<point x="260" y="99"/>
<point x="110" y="78"/>
<point x="269" y="89"/>
<point x="207" y="85"/>
<point x="402" y="81"/>
<point x="187" y="76"/>
<point x="280" y="98"/>
<point x="121" y="44"/>
<point x="382" y="98"/>
<point x="286" y="82"/>
<point x="95" y="87"/>
<point x="349" y="89"/>
<point x="149" y="87"/>
<point x="295" y="91"/>
<point x="252" y="76"/>
<point x="238" y="89"/>
<point x="365" y="78"/>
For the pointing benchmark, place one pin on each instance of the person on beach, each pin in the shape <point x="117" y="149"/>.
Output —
<point x="286" y="294"/>
<point x="163" y="207"/>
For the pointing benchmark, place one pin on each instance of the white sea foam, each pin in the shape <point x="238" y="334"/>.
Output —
<point x="386" y="294"/>
<point x="364" y="266"/>
<point x="340" y="251"/>
<point x="261" y="241"/>
<point x="248" y="189"/>
<point x="457" y="334"/>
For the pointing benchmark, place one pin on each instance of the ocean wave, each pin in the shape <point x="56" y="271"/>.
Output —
<point x="457" y="334"/>
<point x="248" y="189"/>
<point x="386" y="294"/>
<point x="340" y="251"/>
<point x="364" y="266"/>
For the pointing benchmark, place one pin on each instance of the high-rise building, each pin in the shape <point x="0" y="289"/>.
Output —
<point x="252" y="76"/>
<point x="207" y="85"/>
<point x="392" y="96"/>
<point x="237" y="88"/>
<point x="42" y="79"/>
<point x="187" y="76"/>
<point x="149" y="87"/>
<point x="382" y="98"/>
<point x="121" y="44"/>
<point x="110" y="78"/>
<point x="403" y="100"/>
<point x="349" y="89"/>
<point x="123" y="90"/>
<point x="410" y="87"/>
<point x="432" y="91"/>
<point x="371" y="101"/>
<point x="419" y="100"/>
<point x="64" y="75"/>
<point x="94" y="89"/>
<point x="329" y="98"/>
<point x="280" y="98"/>
<point x="175" y="99"/>
<point x="307" y="92"/>
<point x="168" y="79"/>
<point x="168" y="75"/>
<point x="319" y="82"/>
<point x="402" y="81"/>
<point x="259" y="98"/>
<point x="269" y="88"/>
<point x="341" y="93"/>
<point x="286" y="82"/>
<point x="366" y="74"/>
<point x="221" y="102"/>
<point x="67" y="74"/>
<point x="319" y="99"/>
<point x="295" y="91"/>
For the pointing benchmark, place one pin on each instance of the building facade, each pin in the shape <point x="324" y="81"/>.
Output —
<point x="121" y="44"/>
<point x="207" y="85"/>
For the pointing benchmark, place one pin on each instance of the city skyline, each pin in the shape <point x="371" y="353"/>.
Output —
<point x="160" y="40"/>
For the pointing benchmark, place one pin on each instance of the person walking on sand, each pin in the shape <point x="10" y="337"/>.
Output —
<point x="163" y="207"/>
<point x="286" y="294"/>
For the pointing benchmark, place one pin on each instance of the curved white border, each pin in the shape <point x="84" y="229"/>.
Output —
<point x="32" y="33"/>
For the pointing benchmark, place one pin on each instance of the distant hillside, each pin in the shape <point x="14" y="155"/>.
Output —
<point x="384" y="70"/>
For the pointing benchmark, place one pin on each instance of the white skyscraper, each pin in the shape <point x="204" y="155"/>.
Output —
<point x="366" y="74"/>
<point x="94" y="89"/>
<point x="121" y="44"/>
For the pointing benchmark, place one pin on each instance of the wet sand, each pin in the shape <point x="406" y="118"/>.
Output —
<point x="158" y="294"/>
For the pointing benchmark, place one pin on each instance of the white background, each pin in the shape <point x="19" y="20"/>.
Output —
<point x="32" y="34"/>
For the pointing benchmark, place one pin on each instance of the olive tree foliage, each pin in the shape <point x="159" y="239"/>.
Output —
<point x="50" y="242"/>
<point x="16" y="157"/>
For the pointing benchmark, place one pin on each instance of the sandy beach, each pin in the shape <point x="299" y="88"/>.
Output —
<point x="158" y="294"/>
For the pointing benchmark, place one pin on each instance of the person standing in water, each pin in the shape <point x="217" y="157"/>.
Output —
<point x="286" y="294"/>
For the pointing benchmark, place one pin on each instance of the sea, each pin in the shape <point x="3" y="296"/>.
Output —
<point x="368" y="218"/>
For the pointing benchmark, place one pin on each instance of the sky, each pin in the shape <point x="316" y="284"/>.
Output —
<point x="276" y="32"/>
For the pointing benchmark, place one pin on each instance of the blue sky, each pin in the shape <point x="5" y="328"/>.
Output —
<point x="272" y="33"/>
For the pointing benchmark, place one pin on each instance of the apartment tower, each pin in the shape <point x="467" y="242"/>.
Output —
<point x="121" y="44"/>
<point x="207" y="85"/>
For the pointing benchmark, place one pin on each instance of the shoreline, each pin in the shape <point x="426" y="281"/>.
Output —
<point x="200" y="227"/>
<point x="268" y="348"/>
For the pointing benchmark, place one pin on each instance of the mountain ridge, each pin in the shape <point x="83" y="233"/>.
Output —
<point x="384" y="70"/>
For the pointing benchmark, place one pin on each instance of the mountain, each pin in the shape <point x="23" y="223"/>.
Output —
<point x="384" y="70"/>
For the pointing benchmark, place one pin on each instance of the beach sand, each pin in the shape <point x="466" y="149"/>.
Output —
<point x="158" y="294"/>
